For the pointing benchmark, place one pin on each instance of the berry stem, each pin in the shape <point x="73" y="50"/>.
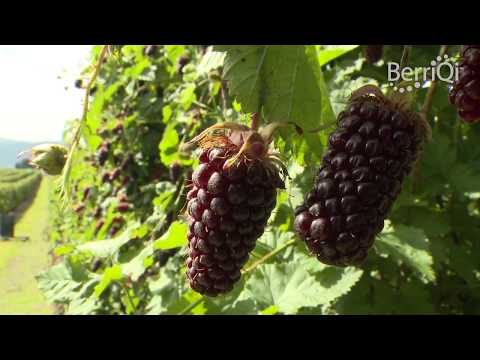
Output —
<point x="192" y="306"/>
<point x="223" y="94"/>
<point x="255" y="121"/>
<point x="407" y="50"/>
<point x="427" y="105"/>
<point x="130" y="300"/>
<point x="65" y="190"/>
<point x="424" y="113"/>
<point x="269" y="255"/>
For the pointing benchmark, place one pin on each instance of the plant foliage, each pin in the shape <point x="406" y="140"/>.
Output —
<point x="120" y="248"/>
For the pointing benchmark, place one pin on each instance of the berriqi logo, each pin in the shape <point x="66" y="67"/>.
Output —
<point x="441" y="69"/>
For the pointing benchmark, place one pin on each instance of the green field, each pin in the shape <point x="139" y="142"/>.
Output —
<point x="12" y="175"/>
<point x="20" y="261"/>
<point x="16" y="186"/>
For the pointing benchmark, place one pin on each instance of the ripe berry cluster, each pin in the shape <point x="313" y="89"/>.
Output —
<point x="228" y="210"/>
<point x="361" y="175"/>
<point x="465" y="94"/>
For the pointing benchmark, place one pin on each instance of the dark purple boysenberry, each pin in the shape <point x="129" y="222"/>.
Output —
<point x="102" y="155"/>
<point x="96" y="264"/>
<point x="78" y="209"/>
<point x="373" y="53"/>
<point x="127" y="162"/>
<point x="174" y="171"/>
<point x="360" y="178"/>
<point x="123" y="207"/>
<point x="118" y="129"/>
<point x="465" y="93"/>
<point x="99" y="225"/>
<point x="182" y="61"/>
<point x="105" y="177"/>
<point x="98" y="212"/>
<point x="228" y="206"/>
<point x="114" y="230"/>
<point x="115" y="174"/>
<point x="86" y="193"/>
<point x="118" y="220"/>
<point x="93" y="90"/>
<point x="151" y="50"/>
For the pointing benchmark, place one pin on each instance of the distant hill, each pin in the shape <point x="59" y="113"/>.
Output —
<point x="9" y="150"/>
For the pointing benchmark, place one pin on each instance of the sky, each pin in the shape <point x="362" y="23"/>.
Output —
<point x="37" y="92"/>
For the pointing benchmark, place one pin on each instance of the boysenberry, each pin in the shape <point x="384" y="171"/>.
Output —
<point x="367" y="159"/>
<point x="465" y="93"/>
<point x="230" y="201"/>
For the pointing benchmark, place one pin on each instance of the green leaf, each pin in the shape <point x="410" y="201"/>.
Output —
<point x="409" y="245"/>
<point x="169" y="145"/>
<point x="301" y="283"/>
<point x="236" y="302"/>
<point x="86" y="302"/>
<point x="283" y="82"/>
<point x="82" y="306"/>
<point x="432" y="221"/>
<point x="464" y="179"/>
<point x="331" y="52"/>
<point x="106" y="248"/>
<point x="174" y="52"/>
<point x="210" y="61"/>
<point x="166" y="113"/>
<point x="168" y="291"/>
<point x="187" y="96"/>
<point x="140" y="231"/>
<point x="63" y="250"/>
<point x="271" y="310"/>
<point x="137" y="266"/>
<point x="57" y="283"/>
<point x="165" y="189"/>
<point x="437" y="161"/>
<point x="164" y="292"/>
<point x="66" y="282"/>
<point x="176" y="236"/>
<point x="372" y="296"/>
<point x="111" y="274"/>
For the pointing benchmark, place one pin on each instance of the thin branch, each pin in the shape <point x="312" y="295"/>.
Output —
<point x="130" y="300"/>
<point x="192" y="306"/>
<point x="407" y="51"/>
<point x="269" y="255"/>
<point x="223" y="94"/>
<point x="427" y="105"/>
<point x="424" y="113"/>
<point x="65" y="191"/>
<point x="255" y="121"/>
